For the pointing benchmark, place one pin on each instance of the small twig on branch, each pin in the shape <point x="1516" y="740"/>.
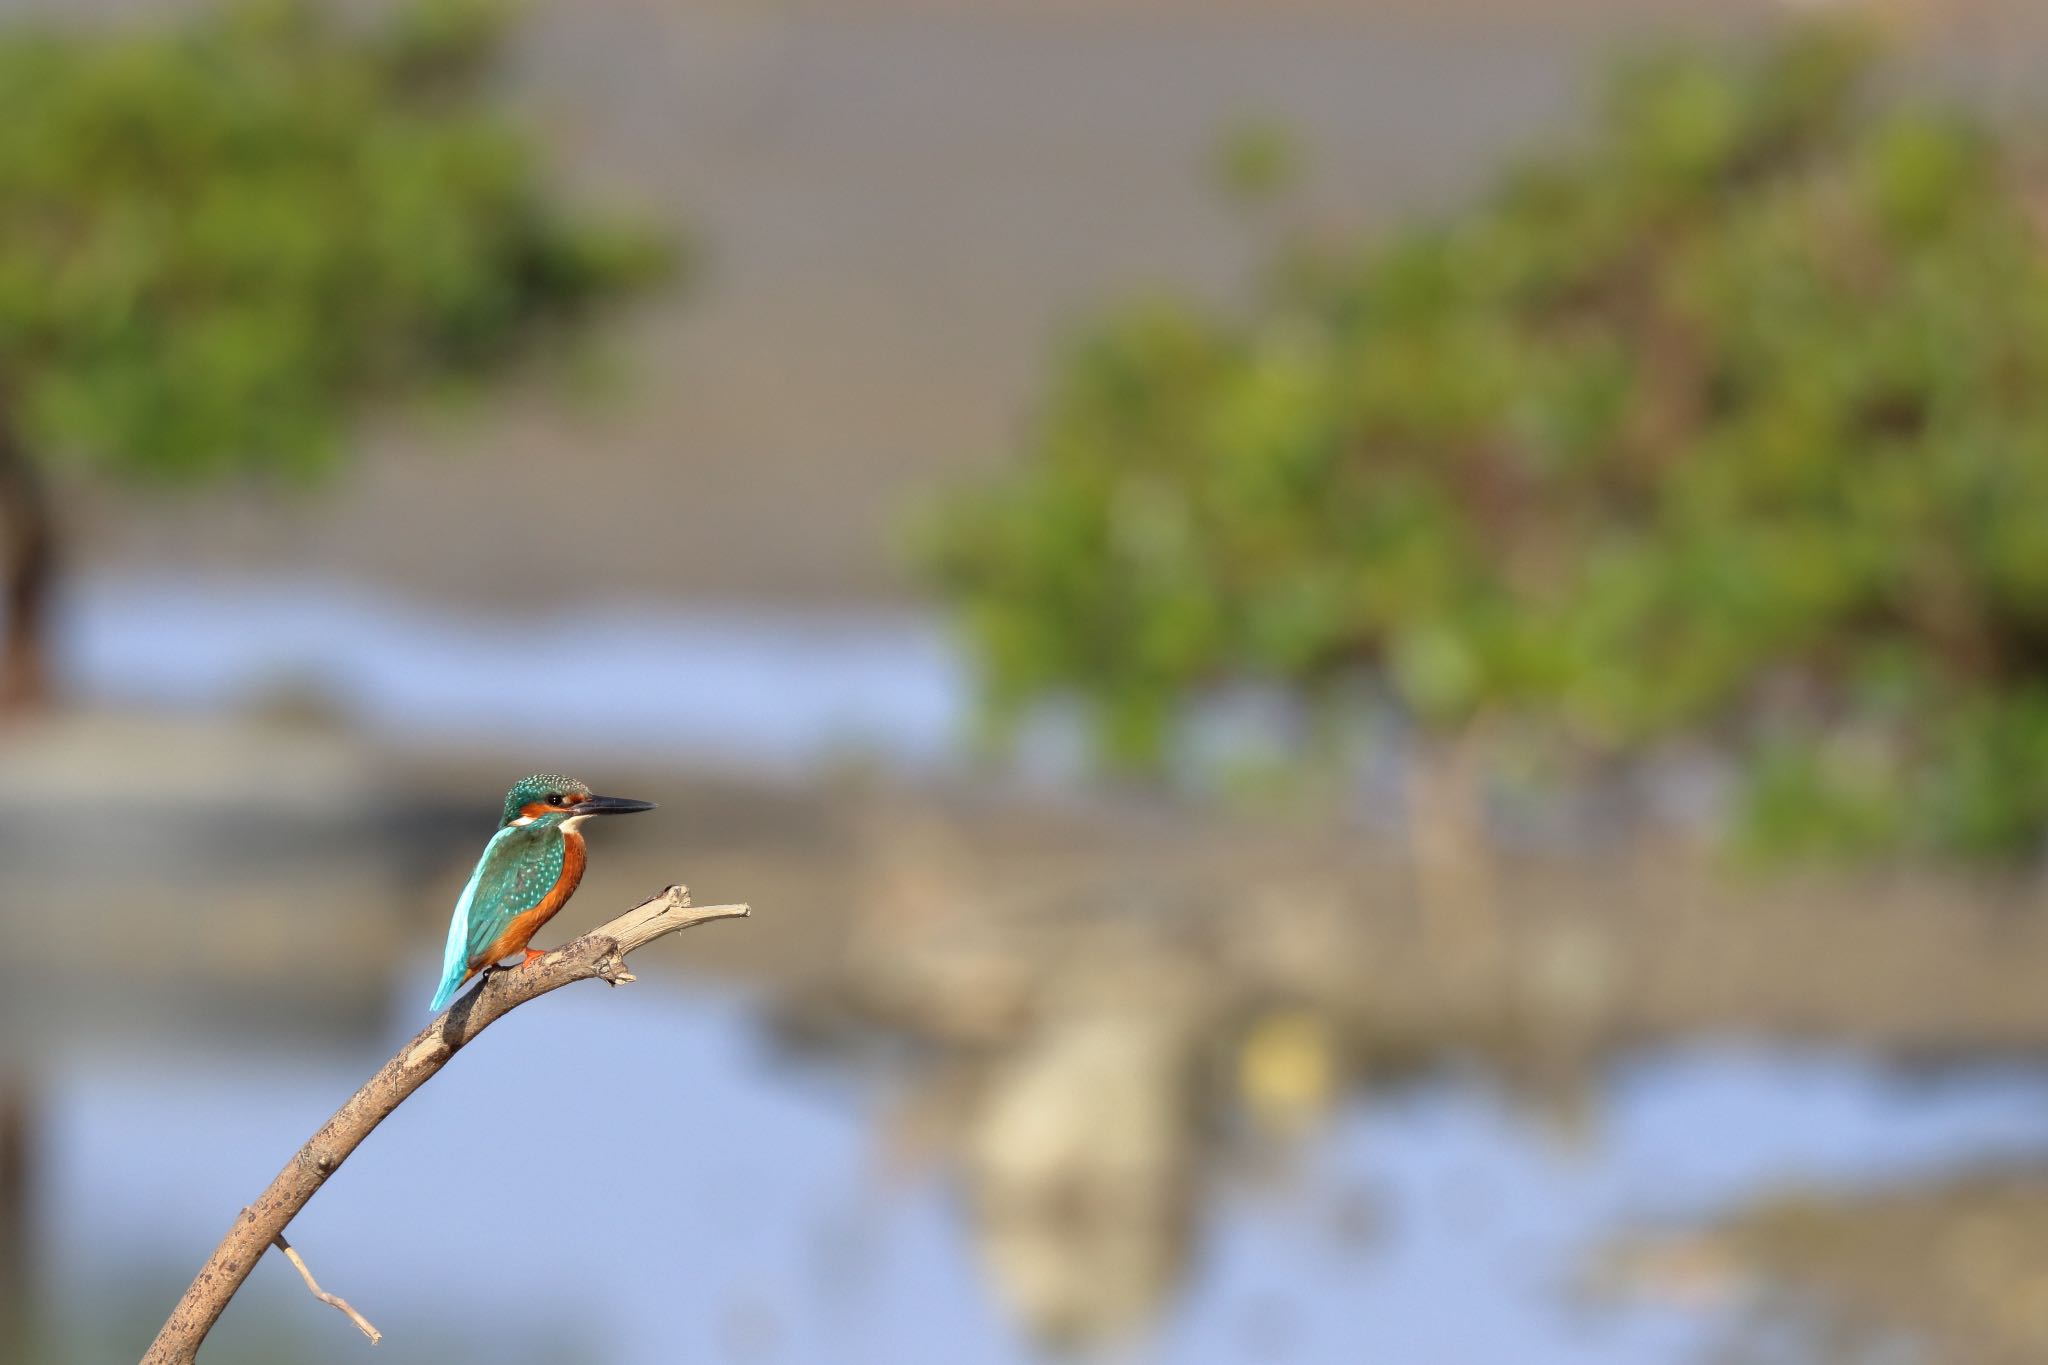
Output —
<point x="600" y="953"/>
<point x="335" y="1300"/>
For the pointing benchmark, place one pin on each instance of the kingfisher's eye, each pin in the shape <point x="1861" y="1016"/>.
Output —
<point x="557" y="799"/>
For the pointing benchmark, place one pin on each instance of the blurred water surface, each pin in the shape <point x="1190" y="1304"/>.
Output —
<point x="718" y="1187"/>
<point x="704" y="1194"/>
<point x="773" y="692"/>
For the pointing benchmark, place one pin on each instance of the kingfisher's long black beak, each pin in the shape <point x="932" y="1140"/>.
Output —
<point x="609" y="805"/>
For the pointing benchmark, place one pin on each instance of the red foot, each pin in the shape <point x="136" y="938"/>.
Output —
<point x="532" y="955"/>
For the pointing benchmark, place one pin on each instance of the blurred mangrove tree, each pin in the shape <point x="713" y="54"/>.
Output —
<point x="1728" y="423"/>
<point x="218" y="237"/>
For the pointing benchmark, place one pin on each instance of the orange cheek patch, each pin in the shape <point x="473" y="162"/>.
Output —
<point x="533" y="810"/>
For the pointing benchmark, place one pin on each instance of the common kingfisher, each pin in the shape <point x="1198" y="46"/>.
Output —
<point x="529" y="870"/>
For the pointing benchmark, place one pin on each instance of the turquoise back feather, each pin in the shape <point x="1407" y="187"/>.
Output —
<point x="520" y="865"/>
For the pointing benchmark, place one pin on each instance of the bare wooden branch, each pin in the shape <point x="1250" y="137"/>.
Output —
<point x="335" y="1300"/>
<point x="600" y="953"/>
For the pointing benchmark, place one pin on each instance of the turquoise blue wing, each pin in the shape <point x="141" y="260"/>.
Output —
<point x="513" y="878"/>
<point x="515" y="873"/>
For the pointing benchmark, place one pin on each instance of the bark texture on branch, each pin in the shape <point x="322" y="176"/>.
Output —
<point x="600" y="953"/>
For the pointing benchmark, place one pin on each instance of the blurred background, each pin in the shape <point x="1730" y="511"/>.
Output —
<point x="1379" y="671"/>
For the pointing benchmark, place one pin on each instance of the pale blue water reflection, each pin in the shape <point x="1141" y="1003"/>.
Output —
<point x="679" y="1190"/>
<point x="771" y="690"/>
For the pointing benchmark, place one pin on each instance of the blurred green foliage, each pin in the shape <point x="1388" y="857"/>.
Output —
<point x="1731" y="422"/>
<point x="1256" y="161"/>
<point x="217" y="237"/>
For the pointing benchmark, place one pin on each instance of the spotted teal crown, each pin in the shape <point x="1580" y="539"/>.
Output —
<point x="540" y="787"/>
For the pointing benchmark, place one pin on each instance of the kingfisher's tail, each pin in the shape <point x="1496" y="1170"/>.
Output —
<point x="454" y="962"/>
<point x="449" y="986"/>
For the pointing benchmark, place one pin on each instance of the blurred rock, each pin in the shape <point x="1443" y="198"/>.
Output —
<point x="1081" y="1175"/>
<point x="1955" y="1270"/>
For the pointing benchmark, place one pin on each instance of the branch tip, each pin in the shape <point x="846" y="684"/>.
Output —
<point x="335" y="1300"/>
